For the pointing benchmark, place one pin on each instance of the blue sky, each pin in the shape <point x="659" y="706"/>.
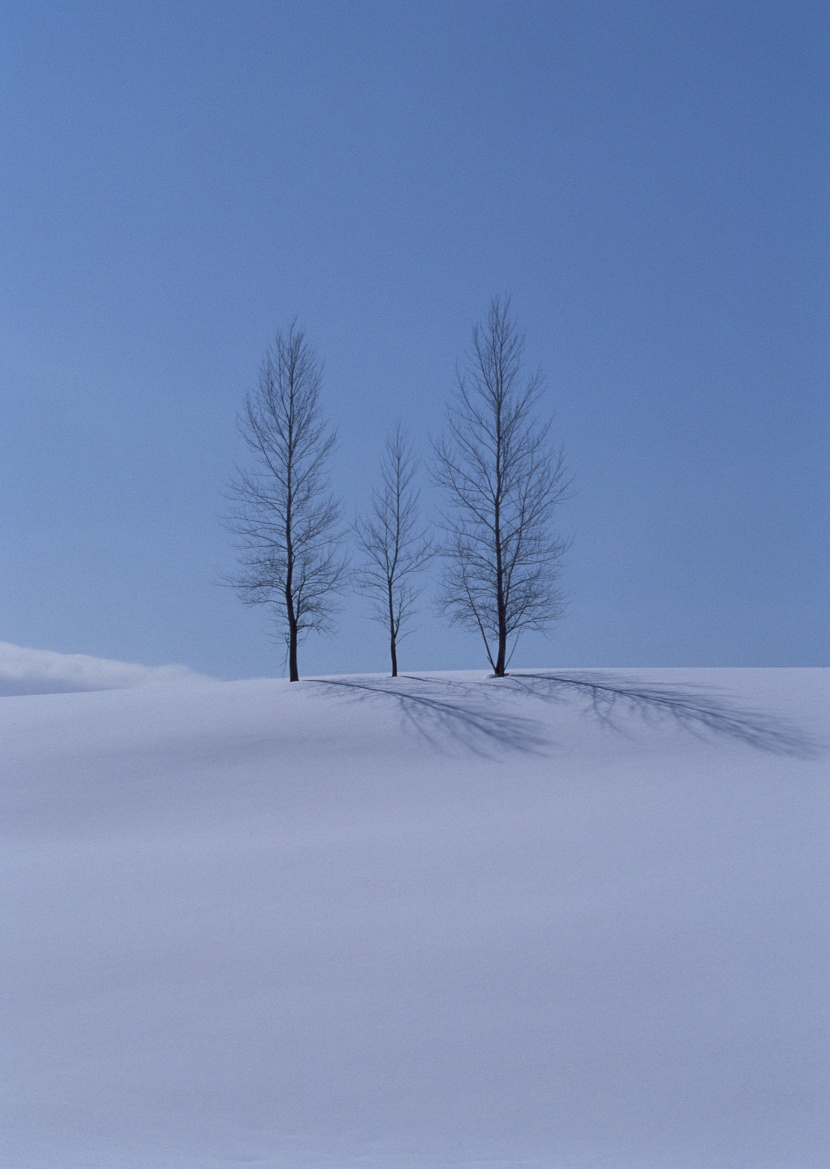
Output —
<point x="647" y="181"/>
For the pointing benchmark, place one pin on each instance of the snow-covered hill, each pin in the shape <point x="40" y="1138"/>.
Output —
<point x="553" y="921"/>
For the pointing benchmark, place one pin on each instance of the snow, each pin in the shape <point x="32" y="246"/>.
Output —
<point x="39" y="671"/>
<point x="439" y="922"/>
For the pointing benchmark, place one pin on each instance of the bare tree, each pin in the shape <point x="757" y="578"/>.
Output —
<point x="502" y="479"/>
<point x="285" y="517"/>
<point x="394" y="544"/>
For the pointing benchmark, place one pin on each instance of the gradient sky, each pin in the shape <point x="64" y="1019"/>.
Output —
<point x="646" y="180"/>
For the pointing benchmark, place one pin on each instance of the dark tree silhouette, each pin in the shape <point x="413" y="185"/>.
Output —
<point x="393" y="542"/>
<point x="284" y="514"/>
<point x="502" y="480"/>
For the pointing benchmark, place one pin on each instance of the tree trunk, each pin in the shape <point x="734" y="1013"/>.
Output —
<point x="290" y="611"/>
<point x="291" y="615"/>
<point x="501" y="661"/>
<point x="293" y="672"/>
<point x="393" y="632"/>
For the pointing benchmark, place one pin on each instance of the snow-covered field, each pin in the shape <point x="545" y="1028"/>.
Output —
<point x="562" y="922"/>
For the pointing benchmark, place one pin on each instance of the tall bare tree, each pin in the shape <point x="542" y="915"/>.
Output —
<point x="284" y="514"/>
<point x="502" y="478"/>
<point x="393" y="541"/>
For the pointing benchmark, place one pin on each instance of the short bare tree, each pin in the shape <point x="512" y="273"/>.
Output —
<point x="394" y="543"/>
<point x="284" y="514"/>
<point x="502" y="478"/>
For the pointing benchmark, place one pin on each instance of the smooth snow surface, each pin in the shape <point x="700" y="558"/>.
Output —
<point x="561" y="922"/>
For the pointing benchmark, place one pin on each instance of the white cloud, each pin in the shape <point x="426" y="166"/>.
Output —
<point x="41" y="671"/>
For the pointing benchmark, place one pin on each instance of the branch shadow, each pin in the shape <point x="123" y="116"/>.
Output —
<point x="441" y="709"/>
<point x="473" y="714"/>
<point x="704" y="712"/>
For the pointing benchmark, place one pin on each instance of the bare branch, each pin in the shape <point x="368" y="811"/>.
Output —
<point x="284" y="515"/>
<point x="394" y="545"/>
<point x="502" y="480"/>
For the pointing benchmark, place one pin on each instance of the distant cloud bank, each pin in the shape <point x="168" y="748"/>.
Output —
<point x="41" y="671"/>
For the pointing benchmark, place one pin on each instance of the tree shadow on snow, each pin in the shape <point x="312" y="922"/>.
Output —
<point x="477" y="714"/>
<point x="441" y="709"/>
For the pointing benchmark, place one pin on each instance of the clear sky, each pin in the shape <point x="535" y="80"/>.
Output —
<point x="646" y="180"/>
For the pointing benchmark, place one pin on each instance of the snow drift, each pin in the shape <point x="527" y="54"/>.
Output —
<point x="552" y="921"/>
<point x="40" y="671"/>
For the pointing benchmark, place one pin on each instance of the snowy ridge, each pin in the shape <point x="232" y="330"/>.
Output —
<point x="38" y="671"/>
<point x="569" y="918"/>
